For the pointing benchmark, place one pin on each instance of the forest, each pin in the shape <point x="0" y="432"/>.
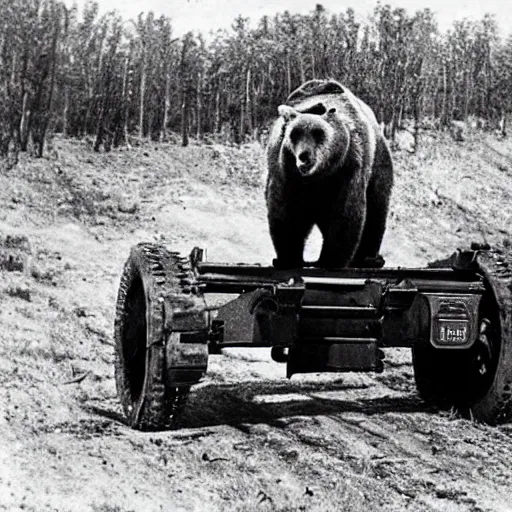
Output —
<point x="82" y="74"/>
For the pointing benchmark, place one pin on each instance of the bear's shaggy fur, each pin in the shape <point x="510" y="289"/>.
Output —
<point x="328" y="165"/>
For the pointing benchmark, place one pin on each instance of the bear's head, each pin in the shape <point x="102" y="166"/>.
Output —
<point x="313" y="139"/>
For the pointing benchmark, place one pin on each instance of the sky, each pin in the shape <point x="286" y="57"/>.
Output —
<point x="206" y="15"/>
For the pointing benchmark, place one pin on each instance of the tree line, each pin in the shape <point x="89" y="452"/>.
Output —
<point x="110" y="79"/>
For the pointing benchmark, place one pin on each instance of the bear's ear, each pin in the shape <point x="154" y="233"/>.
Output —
<point x="331" y="110"/>
<point x="318" y="109"/>
<point x="287" y="112"/>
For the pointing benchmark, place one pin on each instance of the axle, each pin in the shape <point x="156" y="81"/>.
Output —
<point x="317" y="320"/>
<point x="224" y="278"/>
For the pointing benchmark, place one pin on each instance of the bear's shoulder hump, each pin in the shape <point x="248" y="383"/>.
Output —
<point x="315" y="88"/>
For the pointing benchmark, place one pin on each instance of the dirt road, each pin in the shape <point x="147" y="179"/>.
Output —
<point x="250" y="439"/>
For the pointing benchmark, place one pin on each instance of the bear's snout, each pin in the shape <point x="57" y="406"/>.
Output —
<point x="304" y="161"/>
<point x="305" y="157"/>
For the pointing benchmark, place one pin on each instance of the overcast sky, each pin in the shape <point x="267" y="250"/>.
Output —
<point x="206" y="15"/>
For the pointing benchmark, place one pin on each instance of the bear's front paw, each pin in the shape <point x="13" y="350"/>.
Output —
<point x="328" y="264"/>
<point x="286" y="264"/>
<point x="370" y="262"/>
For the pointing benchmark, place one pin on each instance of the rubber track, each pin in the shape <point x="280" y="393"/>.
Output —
<point x="164" y="274"/>
<point x="496" y="266"/>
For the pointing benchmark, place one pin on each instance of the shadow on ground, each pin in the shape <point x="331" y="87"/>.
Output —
<point x="270" y="402"/>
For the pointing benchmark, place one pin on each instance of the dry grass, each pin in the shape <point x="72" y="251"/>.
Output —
<point x="447" y="195"/>
<point x="19" y="291"/>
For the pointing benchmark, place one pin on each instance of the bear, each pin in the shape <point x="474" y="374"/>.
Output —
<point x="330" y="166"/>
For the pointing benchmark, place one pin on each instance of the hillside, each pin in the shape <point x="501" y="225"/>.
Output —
<point x="250" y="438"/>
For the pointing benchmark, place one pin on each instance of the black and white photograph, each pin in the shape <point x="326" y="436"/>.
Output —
<point x="255" y="257"/>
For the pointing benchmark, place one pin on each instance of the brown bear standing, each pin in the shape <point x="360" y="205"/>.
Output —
<point x="328" y="165"/>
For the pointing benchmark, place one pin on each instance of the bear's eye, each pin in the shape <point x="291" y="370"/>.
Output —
<point x="295" y="135"/>
<point x="317" y="134"/>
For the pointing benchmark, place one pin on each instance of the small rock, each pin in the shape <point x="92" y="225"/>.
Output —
<point x="290" y="454"/>
<point x="20" y="242"/>
<point x="449" y="494"/>
<point x="128" y="207"/>
<point x="21" y="292"/>
<point x="80" y="312"/>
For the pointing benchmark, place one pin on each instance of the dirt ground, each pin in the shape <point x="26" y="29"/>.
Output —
<point x="250" y="439"/>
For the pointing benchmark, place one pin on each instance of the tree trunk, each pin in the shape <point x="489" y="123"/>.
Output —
<point x="150" y="117"/>
<point x="87" y="117"/>
<point x="400" y="115"/>
<point x="185" y="91"/>
<point x="49" y="105"/>
<point x="125" y="101"/>
<point x="65" y="113"/>
<point x="302" y="73"/>
<point x="444" y="120"/>
<point x="216" y="127"/>
<point x="199" y="107"/>
<point x="393" y="127"/>
<point x="239" y="137"/>
<point x="248" y="103"/>
<point x="24" y="123"/>
<point x="467" y="96"/>
<point x="25" y="112"/>
<point x="13" y="71"/>
<point x="184" y="120"/>
<point x="143" y="79"/>
<point x="288" y="73"/>
<point x="502" y="125"/>
<point x="417" y="107"/>
<point x="167" y="106"/>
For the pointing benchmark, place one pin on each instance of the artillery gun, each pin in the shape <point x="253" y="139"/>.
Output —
<point x="455" y="315"/>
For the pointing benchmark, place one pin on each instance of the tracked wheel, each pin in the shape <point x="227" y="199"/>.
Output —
<point x="476" y="381"/>
<point x="160" y="336"/>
